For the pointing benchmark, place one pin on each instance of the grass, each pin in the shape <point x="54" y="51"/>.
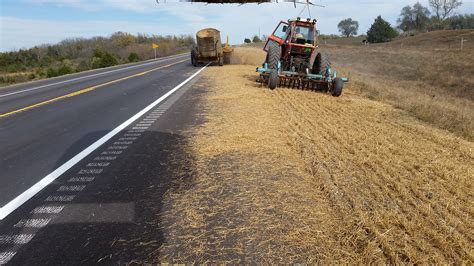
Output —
<point x="434" y="86"/>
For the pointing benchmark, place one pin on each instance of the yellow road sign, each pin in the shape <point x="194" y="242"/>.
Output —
<point x="154" y="45"/>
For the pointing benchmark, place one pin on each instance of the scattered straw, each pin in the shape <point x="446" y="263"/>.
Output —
<point x="297" y="176"/>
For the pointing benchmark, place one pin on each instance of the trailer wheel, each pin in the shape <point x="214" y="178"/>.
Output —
<point x="321" y="64"/>
<point x="273" y="79"/>
<point x="337" y="87"/>
<point x="193" y="59"/>
<point x="221" y="61"/>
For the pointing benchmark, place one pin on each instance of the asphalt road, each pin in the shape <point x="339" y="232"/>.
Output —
<point x="123" y="121"/>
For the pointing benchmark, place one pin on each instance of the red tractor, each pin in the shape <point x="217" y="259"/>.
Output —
<point x="293" y="60"/>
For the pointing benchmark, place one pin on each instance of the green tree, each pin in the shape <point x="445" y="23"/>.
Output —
<point x="443" y="9"/>
<point x="414" y="18"/>
<point x="381" y="31"/>
<point x="348" y="27"/>
<point x="122" y="39"/>
<point x="461" y="22"/>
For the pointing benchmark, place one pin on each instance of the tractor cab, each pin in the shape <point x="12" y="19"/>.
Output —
<point x="296" y="33"/>
<point x="298" y="41"/>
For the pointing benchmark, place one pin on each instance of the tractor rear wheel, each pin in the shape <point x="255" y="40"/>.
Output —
<point x="274" y="55"/>
<point x="321" y="64"/>
<point x="337" y="87"/>
<point x="273" y="58"/>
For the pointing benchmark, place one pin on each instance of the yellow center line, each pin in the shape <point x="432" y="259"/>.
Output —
<point x="79" y="92"/>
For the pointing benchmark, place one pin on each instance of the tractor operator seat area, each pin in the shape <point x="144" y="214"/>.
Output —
<point x="303" y="35"/>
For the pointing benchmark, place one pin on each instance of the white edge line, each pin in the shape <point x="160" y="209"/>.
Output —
<point x="163" y="59"/>
<point x="29" y="193"/>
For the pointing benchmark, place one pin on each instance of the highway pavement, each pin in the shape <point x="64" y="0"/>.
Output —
<point x="76" y="152"/>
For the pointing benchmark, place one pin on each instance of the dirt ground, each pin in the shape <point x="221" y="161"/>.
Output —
<point x="291" y="176"/>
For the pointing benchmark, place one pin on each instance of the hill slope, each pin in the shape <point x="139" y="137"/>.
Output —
<point x="445" y="39"/>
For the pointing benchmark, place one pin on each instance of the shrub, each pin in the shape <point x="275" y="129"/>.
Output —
<point x="103" y="59"/>
<point x="133" y="57"/>
<point x="65" y="68"/>
<point x="45" y="61"/>
<point x="109" y="60"/>
<point x="50" y="73"/>
<point x="83" y="65"/>
<point x="256" y="39"/>
<point x="40" y="72"/>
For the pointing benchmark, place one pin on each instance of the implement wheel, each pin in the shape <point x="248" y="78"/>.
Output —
<point x="337" y="87"/>
<point x="273" y="79"/>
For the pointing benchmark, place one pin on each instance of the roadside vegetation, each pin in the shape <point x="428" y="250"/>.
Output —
<point x="76" y="55"/>
<point x="427" y="75"/>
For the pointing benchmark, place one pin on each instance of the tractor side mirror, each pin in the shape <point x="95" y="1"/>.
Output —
<point x="284" y="28"/>
<point x="318" y="32"/>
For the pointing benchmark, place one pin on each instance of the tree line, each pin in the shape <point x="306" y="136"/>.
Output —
<point x="79" y="54"/>
<point x="439" y="15"/>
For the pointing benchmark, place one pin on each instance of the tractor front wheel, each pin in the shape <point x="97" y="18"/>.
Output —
<point x="337" y="87"/>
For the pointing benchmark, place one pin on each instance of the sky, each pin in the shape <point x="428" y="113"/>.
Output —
<point x="26" y="23"/>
